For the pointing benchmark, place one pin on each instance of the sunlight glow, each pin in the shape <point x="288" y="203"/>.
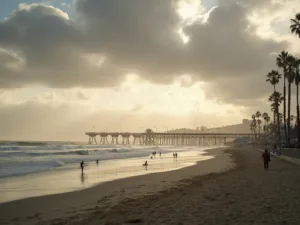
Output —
<point x="188" y="9"/>
<point x="183" y="36"/>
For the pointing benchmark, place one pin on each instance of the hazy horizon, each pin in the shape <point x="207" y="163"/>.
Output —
<point x="67" y="66"/>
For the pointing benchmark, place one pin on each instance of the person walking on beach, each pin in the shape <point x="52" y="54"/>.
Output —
<point x="266" y="158"/>
<point x="97" y="161"/>
<point x="82" y="166"/>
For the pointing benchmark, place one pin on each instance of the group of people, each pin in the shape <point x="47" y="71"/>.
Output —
<point x="154" y="154"/>
<point x="82" y="164"/>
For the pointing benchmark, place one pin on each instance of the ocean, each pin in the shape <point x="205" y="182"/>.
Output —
<point x="21" y="158"/>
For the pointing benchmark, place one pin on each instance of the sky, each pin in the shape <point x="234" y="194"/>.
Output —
<point x="71" y="66"/>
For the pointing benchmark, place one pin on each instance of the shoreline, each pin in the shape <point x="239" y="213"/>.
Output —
<point x="110" y="193"/>
<point x="108" y="153"/>
<point x="69" y="178"/>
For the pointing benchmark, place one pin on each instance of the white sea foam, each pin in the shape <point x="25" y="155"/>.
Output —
<point x="16" y="159"/>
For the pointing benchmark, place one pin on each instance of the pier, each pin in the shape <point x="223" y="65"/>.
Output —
<point x="150" y="137"/>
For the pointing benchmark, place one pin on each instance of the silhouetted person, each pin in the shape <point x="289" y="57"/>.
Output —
<point x="266" y="158"/>
<point x="160" y="154"/>
<point x="97" y="161"/>
<point x="82" y="166"/>
<point x="146" y="163"/>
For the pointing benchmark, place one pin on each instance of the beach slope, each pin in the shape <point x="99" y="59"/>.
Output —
<point x="244" y="195"/>
<point x="73" y="207"/>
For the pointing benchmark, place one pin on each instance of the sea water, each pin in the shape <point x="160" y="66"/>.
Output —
<point x="29" y="170"/>
<point x="26" y="158"/>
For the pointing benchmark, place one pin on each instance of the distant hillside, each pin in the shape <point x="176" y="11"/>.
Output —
<point x="242" y="128"/>
<point x="182" y="130"/>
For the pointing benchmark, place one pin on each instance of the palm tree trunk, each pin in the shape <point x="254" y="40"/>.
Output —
<point x="298" y="119"/>
<point x="289" y="114"/>
<point x="278" y="128"/>
<point x="284" y="107"/>
<point x="274" y="112"/>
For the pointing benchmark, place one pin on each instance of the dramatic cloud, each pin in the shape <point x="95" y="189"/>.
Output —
<point x="45" y="47"/>
<point x="105" y="40"/>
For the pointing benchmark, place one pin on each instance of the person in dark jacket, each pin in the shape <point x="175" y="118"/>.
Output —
<point x="266" y="158"/>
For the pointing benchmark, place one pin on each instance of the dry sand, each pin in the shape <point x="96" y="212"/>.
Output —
<point x="244" y="195"/>
<point x="80" y="204"/>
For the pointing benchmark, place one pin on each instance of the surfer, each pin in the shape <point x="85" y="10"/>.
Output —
<point x="82" y="166"/>
<point x="146" y="163"/>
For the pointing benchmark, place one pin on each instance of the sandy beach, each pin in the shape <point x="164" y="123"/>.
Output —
<point x="241" y="194"/>
<point x="78" y="204"/>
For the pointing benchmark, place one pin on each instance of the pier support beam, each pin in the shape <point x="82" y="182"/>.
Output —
<point x="103" y="139"/>
<point x="92" y="139"/>
<point x="114" y="139"/>
<point x="137" y="138"/>
<point x="125" y="139"/>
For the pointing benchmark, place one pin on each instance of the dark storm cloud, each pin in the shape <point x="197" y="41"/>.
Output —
<point x="135" y="36"/>
<point x="51" y="49"/>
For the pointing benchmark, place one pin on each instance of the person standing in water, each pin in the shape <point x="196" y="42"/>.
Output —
<point x="82" y="166"/>
<point x="266" y="158"/>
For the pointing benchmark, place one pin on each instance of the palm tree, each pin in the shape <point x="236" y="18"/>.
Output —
<point x="297" y="81"/>
<point x="291" y="71"/>
<point x="295" y="27"/>
<point x="259" y="125"/>
<point x="280" y="118"/>
<point x="258" y="115"/>
<point x="276" y="99"/>
<point x="273" y="77"/>
<point x="252" y="127"/>
<point x="267" y="121"/>
<point x="254" y="124"/>
<point x="264" y="116"/>
<point x="281" y="62"/>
